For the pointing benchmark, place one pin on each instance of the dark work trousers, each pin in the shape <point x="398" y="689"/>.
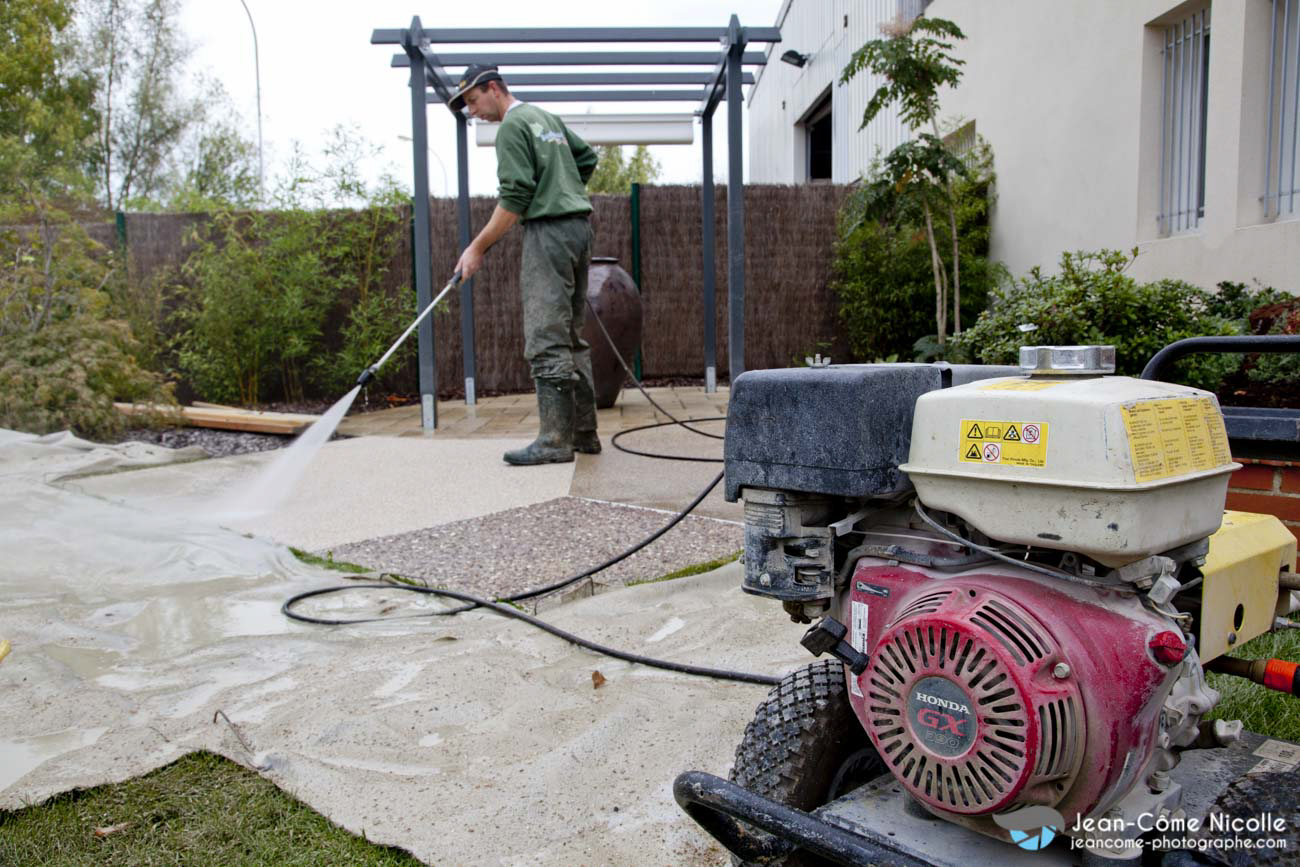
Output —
<point x="553" y="282"/>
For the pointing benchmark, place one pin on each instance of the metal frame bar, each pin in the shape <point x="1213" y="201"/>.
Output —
<point x="462" y="226"/>
<point x="600" y="95"/>
<point x="431" y="82"/>
<point x="735" y="207"/>
<point x="708" y="229"/>
<point x="422" y="242"/>
<point x="588" y="58"/>
<point x="552" y="79"/>
<point x="382" y="36"/>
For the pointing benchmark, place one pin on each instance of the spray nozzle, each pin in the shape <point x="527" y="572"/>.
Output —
<point x="366" y="375"/>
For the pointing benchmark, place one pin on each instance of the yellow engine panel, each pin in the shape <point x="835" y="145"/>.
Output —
<point x="1240" y="593"/>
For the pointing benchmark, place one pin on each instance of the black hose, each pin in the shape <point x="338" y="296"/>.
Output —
<point x="631" y="375"/>
<point x="507" y="611"/>
<point x="502" y="606"/>
<point x="659" y="455"/>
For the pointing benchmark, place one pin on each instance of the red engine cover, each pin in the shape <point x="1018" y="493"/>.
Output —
<point x="968" y="702"/>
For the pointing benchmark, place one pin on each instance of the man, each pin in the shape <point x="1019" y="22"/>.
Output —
<point x="542" y="169"/>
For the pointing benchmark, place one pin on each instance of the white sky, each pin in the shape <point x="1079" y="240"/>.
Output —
<point x="318" y="70"/>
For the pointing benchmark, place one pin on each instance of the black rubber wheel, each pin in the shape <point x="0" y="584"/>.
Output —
<point x="1249" y="797"/>
<point x="805" y="747"/>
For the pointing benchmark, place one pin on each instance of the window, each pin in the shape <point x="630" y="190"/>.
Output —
<point x="1186" y="59"/>
<point x="910" y="10"/>
<point x="819" y="145"/>
<point x="1281" y="191"/>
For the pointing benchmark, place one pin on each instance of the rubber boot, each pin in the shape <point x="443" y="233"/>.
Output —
<point x="554" y="443"/>
<point x="585" y="438"/>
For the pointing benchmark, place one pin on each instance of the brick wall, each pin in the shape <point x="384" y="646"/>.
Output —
<point x="1268" y="487"/>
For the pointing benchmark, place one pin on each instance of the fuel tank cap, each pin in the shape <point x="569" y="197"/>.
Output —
<point x="1067" y="360"/>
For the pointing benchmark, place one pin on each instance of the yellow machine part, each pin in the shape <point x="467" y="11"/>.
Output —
<point x="1239" y="596"/>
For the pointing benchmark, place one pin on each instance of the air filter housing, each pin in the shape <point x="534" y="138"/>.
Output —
<point x="840" y="430"/>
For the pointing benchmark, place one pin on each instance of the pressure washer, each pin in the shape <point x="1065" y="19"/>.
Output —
<point x="1018" y="579"/>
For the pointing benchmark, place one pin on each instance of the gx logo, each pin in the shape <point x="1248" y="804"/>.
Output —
<point x="934" y="719"/>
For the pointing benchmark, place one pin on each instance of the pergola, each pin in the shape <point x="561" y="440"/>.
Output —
<point x="433" y="71"/>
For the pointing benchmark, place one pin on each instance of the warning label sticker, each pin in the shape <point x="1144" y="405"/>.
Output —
<point x="1012" y="443"/>
<point x="1174" y="437"/>
<point x="858" y="636"/>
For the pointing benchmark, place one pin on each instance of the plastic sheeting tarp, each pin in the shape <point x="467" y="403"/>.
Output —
<point x="472" y="739"/>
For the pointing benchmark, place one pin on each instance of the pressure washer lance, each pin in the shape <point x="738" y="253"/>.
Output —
<point x="369" y="373"/>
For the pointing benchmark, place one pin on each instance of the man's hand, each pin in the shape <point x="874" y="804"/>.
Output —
<point x="470" y="261"/>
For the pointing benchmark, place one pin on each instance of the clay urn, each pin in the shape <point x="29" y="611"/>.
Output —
<point x="615" y="299"/>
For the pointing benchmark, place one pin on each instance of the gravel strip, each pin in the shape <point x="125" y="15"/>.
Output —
<point x="217" y="443"/>
<point x="530" y="546"/>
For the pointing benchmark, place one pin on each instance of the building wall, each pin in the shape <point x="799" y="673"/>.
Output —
<point x="830" y="31"/>
<point x="1068" y="93"/>
<point x="1069" y="96"/>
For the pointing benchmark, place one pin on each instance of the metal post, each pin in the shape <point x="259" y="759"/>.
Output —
<point x="257" y="74"/>
<point x="710" y="261"/>
<point x="423" y="267"/>
<point x="635" y="207"/>
<point x="735" y="207"/>
<point x="466" y="287"/>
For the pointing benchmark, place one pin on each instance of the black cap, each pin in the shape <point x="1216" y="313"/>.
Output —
<point x="474" y="75"/>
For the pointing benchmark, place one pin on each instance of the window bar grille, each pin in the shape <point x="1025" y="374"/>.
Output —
<point x="1283" y="105"/>
<point x="1182" y="123"/>
<point x="1295" y="106"/>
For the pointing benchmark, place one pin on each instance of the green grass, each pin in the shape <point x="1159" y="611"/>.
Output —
<point x="199" y="810"/>
<point x="327" y="562"/>
<point x="1261" y="710"/>
<point x="696" y="569"/>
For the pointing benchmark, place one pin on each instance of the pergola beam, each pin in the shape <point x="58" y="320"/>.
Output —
<point x="575" y="34"/>
<point x="590" y="58"/>
<point x="552" y="79"/>
<point x="601" y="95"/>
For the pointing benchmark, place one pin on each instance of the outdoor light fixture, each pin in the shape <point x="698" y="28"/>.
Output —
<point x="794" y="58"/>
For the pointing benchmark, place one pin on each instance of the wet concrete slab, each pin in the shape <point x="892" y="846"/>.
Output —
<point x="353" y="489"/>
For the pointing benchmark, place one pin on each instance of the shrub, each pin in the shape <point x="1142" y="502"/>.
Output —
<point x="1281" y="316"/>
<point x="63" y="359"/>
<point x="883" y="275"/>
<point x="67" y="375"/>
<point x="262" y="292"/>
<point x="270" y="286"/>
<point x="1092" y="301"/>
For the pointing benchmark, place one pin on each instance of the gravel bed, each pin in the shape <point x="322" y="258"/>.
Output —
<point x="217" y="443"/>
<point x="530" y="546"/>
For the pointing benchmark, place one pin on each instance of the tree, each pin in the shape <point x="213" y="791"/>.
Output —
<point x="915" y="60"/>
<point x="63" y="359"/>
<point x="134" y="51"/>
<point x="616" y="174"/>
<point x="46" y="115"/>
<point x="216" y="167"/>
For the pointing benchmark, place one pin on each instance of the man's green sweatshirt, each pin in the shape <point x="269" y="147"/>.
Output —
<point x="542" y="167"/>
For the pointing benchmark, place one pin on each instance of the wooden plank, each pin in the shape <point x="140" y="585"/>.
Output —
<point x="283" y="423"/>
